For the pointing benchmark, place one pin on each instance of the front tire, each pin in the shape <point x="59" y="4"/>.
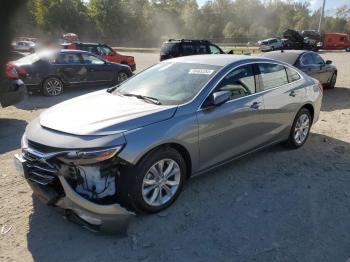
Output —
<point x="300" y="129"/>
<point x="333" y="81"/>
<point x="52" y="86"/>
<point x="158" y="181"/>
<point x="121" y="77"/>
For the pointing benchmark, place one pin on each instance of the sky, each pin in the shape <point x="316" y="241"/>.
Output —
<point x="315" y="4"/>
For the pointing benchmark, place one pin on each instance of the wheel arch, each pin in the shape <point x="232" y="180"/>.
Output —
<point x="311" y="109"/>
<point x="179" y="148"/>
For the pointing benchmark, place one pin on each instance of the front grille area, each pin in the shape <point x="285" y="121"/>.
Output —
<point x="40" y="170"/>
<point x="42" y="148"/>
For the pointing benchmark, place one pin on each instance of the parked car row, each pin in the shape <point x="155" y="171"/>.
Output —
<point x="307" y="40"/>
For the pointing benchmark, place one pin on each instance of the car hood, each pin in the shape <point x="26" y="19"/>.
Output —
<point x="102" y="113"/>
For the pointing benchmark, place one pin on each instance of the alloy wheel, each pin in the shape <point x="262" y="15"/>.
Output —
<point x="302" y="128"/>
<point x="53" y="87"/>
<point x="161" y="182"/>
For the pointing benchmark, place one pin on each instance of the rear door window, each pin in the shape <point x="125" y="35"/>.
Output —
<point x="202" y="49"/>
<point x="307" y="59"/>
<point x="188" y="49"/>
<point x="92" y="60"/>
<point x="272" y="75"/>
<point x="68" y="58"/>
<point x="317" y="59"/>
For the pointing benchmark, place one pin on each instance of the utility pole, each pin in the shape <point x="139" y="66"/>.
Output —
<point x="320" y="25"/>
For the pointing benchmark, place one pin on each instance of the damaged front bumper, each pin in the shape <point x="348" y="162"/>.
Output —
<point x="54" y="189"/>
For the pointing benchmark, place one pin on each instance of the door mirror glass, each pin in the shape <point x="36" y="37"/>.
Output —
<point x="328" y="62"/>
<point x="220" y="97"/>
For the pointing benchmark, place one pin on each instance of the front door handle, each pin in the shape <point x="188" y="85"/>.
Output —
<point x="255" y="105"/>
<point x="293" y="94"/>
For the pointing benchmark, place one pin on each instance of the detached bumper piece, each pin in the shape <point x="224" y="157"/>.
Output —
<point x="48" y="182"/>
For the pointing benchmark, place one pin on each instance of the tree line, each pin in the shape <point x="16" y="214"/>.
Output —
<point x="146" y="23"/>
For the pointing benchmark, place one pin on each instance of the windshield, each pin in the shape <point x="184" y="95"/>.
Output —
<point x="170" y="83"/>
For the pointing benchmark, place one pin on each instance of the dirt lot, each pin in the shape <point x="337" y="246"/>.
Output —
<point x="275" y="205"/>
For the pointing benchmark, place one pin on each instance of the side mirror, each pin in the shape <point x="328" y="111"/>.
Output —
<point x="328" y="62"/>
<point x="220" y="97"/>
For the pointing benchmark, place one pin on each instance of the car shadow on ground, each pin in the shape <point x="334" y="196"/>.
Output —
<point x="336" y="99"/>
<point x="273" y="205"/>
<point x="37" y="101"/>
<point x="11" y="131"/>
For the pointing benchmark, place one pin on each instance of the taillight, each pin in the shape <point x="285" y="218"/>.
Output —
<point x="320" y="86"/>
<point x="21" y="71"/>
<point x="11" y="71"/>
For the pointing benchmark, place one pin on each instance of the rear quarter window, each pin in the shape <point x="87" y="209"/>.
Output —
<point x="292" y="75"/>
<point x="169" y="49"/>
<point x="273" y="75"/>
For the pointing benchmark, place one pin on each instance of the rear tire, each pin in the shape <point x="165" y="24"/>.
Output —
<point x="52" y="86"/>
<point x="300" y="129"/>
<point x="158" y="180"/>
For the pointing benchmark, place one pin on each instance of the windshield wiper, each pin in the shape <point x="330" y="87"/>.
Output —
<point x="113" y="88"/>
<point x="146" y="98"/>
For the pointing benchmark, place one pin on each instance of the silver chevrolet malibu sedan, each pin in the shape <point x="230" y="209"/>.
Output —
<point x="103" y="156"/>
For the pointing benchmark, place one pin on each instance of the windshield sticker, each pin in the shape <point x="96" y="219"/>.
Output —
<point x="200" y="72"/>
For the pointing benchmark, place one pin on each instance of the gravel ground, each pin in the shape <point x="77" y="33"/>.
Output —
<point x="274" y="205"/>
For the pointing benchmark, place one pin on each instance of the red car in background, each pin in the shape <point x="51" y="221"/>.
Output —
<point x="336" y="41"/>
<point x="104" y="51"/>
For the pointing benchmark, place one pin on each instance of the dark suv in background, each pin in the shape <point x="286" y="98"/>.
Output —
<point x="184" y="47"/>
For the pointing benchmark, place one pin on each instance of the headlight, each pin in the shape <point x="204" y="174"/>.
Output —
<point x="90" y="157"/>
<point x="24" y="142"/>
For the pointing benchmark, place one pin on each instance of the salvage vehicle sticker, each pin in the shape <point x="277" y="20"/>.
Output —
<point x="200" y="72"/>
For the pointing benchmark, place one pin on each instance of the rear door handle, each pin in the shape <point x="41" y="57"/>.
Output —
<point x="293" y="94"/>
<point x="255" y="105"/>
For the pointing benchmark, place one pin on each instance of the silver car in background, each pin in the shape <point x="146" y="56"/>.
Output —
<point x="270" y="44"/>
<point x="103" y="156"/>
<point x="24" y="46"/>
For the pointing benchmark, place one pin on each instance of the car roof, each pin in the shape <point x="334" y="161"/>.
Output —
<point x="215" y="60"/>
<point x="187" y="41"/>
<point x="268" y="39"/>
<point x="287" y="56"/>
<point x="73" y="51"/>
